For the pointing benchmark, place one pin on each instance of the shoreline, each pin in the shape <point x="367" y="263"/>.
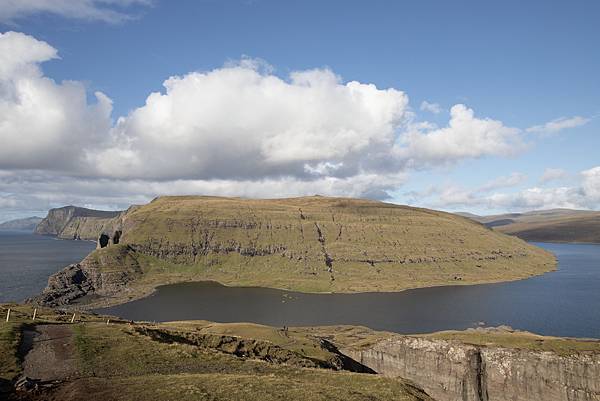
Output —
<point x="143" y="290"/>
<point x="146" y="291"/>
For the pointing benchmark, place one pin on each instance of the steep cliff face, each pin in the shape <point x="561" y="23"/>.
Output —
<point x="101" y="274"/>
<point x="71" y="222"/>
<point x="451" y="370"/>
<point x="327" y="244"/>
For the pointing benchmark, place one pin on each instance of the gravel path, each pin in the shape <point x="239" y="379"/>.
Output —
<point x="51" y="353"/>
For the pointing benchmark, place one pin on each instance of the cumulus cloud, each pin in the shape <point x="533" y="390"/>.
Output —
<point x="554" y="126"/>
<point x="240" y="122"/>
<point x="101" y="10"/>
<point x="466" y="136"/>
<point x="431" y="107"/>
<point x="44" y="124"/>
<point x="235" y="130"/>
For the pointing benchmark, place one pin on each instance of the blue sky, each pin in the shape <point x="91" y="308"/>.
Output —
<point x="523" y="64"/>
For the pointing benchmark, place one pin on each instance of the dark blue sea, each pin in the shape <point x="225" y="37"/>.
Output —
<point x="27" y="260"/>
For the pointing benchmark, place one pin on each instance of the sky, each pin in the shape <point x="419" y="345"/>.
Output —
<point x="486" y="107"/>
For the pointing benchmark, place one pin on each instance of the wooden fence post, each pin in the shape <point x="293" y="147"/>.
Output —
<point x="73" y="318"/>
<point x="34" y="313"/>
<point x="8" y="315"/>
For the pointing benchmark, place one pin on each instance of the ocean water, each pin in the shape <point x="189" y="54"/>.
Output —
<point x="562" y="303"/>
<point x="27" y="260"/>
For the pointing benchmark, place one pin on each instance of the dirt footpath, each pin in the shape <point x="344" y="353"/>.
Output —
<point x="50" y="355"/>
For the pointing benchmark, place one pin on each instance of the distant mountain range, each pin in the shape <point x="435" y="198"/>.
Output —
<point x="28" y="223"/>
<point x="554" y="225"/>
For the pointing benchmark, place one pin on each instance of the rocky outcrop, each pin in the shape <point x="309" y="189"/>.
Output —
<point x="71" y="222"/>
<point x="450" y="370"/>
<point x="103" y="273"/>
<point x="257" y="349"/>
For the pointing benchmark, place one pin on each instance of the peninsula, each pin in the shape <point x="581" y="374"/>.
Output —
<point x="308" y="244"/>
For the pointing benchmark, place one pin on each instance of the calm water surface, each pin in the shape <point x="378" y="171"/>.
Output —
<point x="562" y="303"/>
<point x="27" y="260"/>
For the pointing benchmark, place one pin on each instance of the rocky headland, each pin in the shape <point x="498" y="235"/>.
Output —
<point x="73" y="222"/>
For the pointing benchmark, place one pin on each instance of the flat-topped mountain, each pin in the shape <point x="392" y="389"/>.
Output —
<point x="554" y="225"/>
<point x="73" y="222"/>
<point x="28" y="223"/>
<point x="311" y="244"/>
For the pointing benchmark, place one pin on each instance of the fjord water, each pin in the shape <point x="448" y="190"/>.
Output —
<point x="562" y="303"/>
<point x="27" y="260"/>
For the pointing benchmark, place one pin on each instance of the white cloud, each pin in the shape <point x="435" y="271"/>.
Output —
<point x="236" y="130"/>
<point x="239" y="122"/>
<point x="553" y="174"/>
<point x="466" y="136"/>
<point x="508" y="181"/>
<point x="100" y="10"/>
<point x="582" y="194"/>
<point x="431" y="107"/>
<point x="559" y="124"/>
<point x="591" y="185"/>
<point x="44" y="124"/>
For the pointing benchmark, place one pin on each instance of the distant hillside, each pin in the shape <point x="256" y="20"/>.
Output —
<point x="72" y="222"/>
<point x="311" y="244"/>
<point x="554" y="225"/>
<point x="28" y="223"/>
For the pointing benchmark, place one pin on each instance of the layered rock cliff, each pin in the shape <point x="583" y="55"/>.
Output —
<point x="71" y="222"/>
<point x="311" y="244"/>
<point x="520" y="368"/>
<point x="101" y="274"/>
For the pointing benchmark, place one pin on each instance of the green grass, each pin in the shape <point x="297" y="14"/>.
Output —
<point x="308" y="386"/>
<point x="358" y="337"/>
<point x="128" y="366"/>
<point x="520" y="340"/>
<point x="118" y="362"/>
<point x="10" y="337"/>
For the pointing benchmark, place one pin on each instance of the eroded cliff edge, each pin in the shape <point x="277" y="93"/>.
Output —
<point x="482" y="364"/>
<point x="309" y="244"/>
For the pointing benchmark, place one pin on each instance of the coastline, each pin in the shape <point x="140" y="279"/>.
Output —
<point x="139" y="289"/>
<point x="144" y="291"/>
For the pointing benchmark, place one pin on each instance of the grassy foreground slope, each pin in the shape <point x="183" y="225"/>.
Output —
<point x="90" y="360"/>
<point x="199" y="360"/>
<point x="320" y="244"/>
